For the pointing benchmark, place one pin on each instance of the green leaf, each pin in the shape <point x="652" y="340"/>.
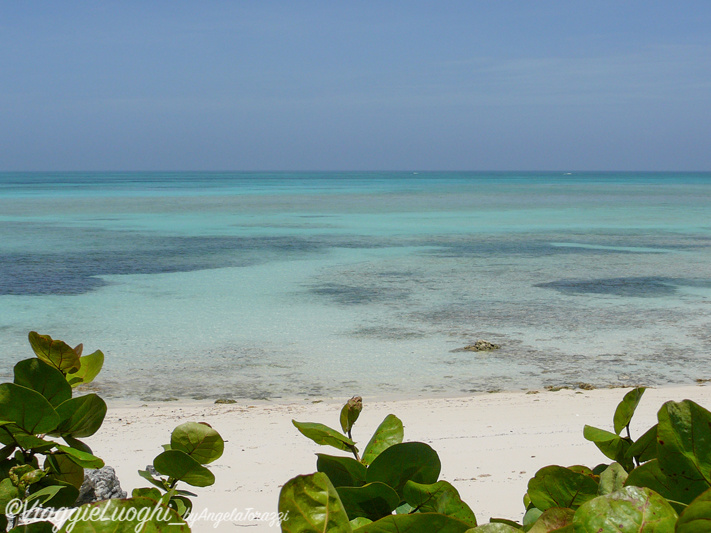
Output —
<point x="83" y="459"/>
<point x="34" y="527"/>
<point x="403" y="462"/>
<point x="684" y="446"/>
<point x="27" y="408"/>
<point x="149" y="477"/>
<point x="632" y="509"/>
<point x="494" y="527"/>
<point x="48" y="381"/>
<point x="415" y="523"/>
<point x="373" y="501"/>
<point x="179" y="465"/>
<point x="81" y="416"/>
<point x="324" y="435"/>
<point x="62" y="468"/>
<point x="625" y="410"/>
<point x="342" y="471"/>
<point x="645" y="447"/>
<point x="12" y="434"/>
<point x="55" y="493"/>
<point x="389" y="432"/>
<point x="77" y="444"/>
<point x="147" y="492"/>
<point x="44" y="494"/>
<point x="440" y="497"/>
<point x="360" y="521"/>
<point x="54" y="352"/>
<point x="553" y="519"/>
<point x="199" y="441"/>
<point x="612" y="479"/>
<point x="696" y="518"/>
<point x="531" y="516"/>
<point x="555" y="486"/>
<point x="164" y="521"/>
<point x="8" y="492"/>
<point x="90" y="367"/>
<point x="312" y="504"/>
<point x="613" y="446"/>
<point x="350" y="412"/>
<point x="649" y="475"/>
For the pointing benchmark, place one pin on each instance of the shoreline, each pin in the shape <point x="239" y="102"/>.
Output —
<point x="490" y="445"/>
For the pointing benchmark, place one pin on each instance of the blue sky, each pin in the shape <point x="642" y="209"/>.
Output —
<point x="336" y="85"/>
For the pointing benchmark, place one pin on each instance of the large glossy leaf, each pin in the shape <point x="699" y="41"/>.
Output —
<point x="199" y="441"/>
<point x="342" y="471"/>
<point x="372" y="501"/>
<point x="62" y="468"/>
<point x="43" y="378"/>
<point x="625" y="410"/>
<point x="54" y="352"/>
<point x="90" y="367"/>
<point x="440" y="497"/>
<point x="612" y="479"/>
<point x="8" y="493"/>
<point x="645" y="447"/>
<point x="12" y="435"/>
<point x="27" y="408"/>
<point x="610" y="444"/>
<point x="81" y="458"/>
<point x="403" y="462"/>
<point x="325" y="435"/>
<point x="494" y="527"/>
<point x="81" y="416"/>
<point x="55" y="493"/>
<point x="87" y="518"/>
<point x="684" y="446"/>
<point x="555" y="486"/>
<point x="415" y="523"/>
<point x="34" y="527"/>
<point x="630" y="510"/>
<point x="696" y="518"/>
<point x="179" y="465"/>
<point x="312" y="504"/>
<point x="673" y="489"/>
<point x="389" y="432"/>
<point x="553" y="519"/>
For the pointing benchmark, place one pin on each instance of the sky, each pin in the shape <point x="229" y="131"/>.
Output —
<point x="355" y="85"/>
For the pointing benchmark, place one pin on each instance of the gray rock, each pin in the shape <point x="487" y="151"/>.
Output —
<point x="479" y="346"/>
<point x="100" y="484"/>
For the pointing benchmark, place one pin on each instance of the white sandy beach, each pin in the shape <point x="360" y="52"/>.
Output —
<point x="490" y="445"/>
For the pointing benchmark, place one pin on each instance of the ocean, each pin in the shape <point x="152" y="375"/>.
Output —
<point x="329" y="284"/>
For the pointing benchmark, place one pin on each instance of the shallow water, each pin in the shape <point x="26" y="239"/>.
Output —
<point x="271" y="285"/>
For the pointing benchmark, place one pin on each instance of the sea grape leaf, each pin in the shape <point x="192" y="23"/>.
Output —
<point x="179" y="465"/>
<point x="81" y="458"/>
<point x="147" y="492"/>
<point x="81" y="416"/>
<point x="440" y="497"/>
<point x="389" y="432"/>
<point x="48" y="381"/>
<point x="34" y="527"/>
<point x="645" y="447"/>
<point x="90" y="366"/>
<point x="632" y="509"/>
<point x="415" y="523"/>
<point x="55" y="492"/>
<point x="350" y="412"/>
<point x="360" y="521"/>
<point x="165" y="521"/>
<point x="152" y="480"/>
<point x="312" y="504"/>
<point x="342" y="471"/>
<point x="649" y="475"/>
<point x="27" y="408"/>
<point x="696" y="518"/>
<point x="372" y="501"/>
<point x="13" y="435"/>
<point x="494" y="527"/>
<point x="684" y="446"/>
<point x="199" y="441"/>
<point x="612" y="479"/>
<point x="77" y="444"/>
<point x="324" y="435"/>
<point x="54" y="352"/>
<point x="555" y="486"/>
<point x="403" y="462"/>
<point x="610" y="444"/>
<point x="8" y="493"/>
<point x="62" y="468"/>
<point x="553" y="519"/>
<point x="531" y="516"/>
<point x="625" y="410"/>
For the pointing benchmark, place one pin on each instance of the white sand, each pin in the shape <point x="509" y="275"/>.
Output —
<point x="490" y="445"/>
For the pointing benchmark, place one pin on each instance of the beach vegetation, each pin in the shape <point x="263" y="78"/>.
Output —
<point x="659" y="482"/>
<point x="43" y="458"/>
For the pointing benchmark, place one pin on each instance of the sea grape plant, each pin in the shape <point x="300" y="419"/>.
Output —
<point x="658" y="483"/>
<point x="37" y="408"/>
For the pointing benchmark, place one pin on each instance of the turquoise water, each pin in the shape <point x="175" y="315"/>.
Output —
<point x="266" y="285"/>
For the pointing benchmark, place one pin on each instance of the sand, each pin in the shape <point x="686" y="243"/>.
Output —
<point x="490" y="445"/>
